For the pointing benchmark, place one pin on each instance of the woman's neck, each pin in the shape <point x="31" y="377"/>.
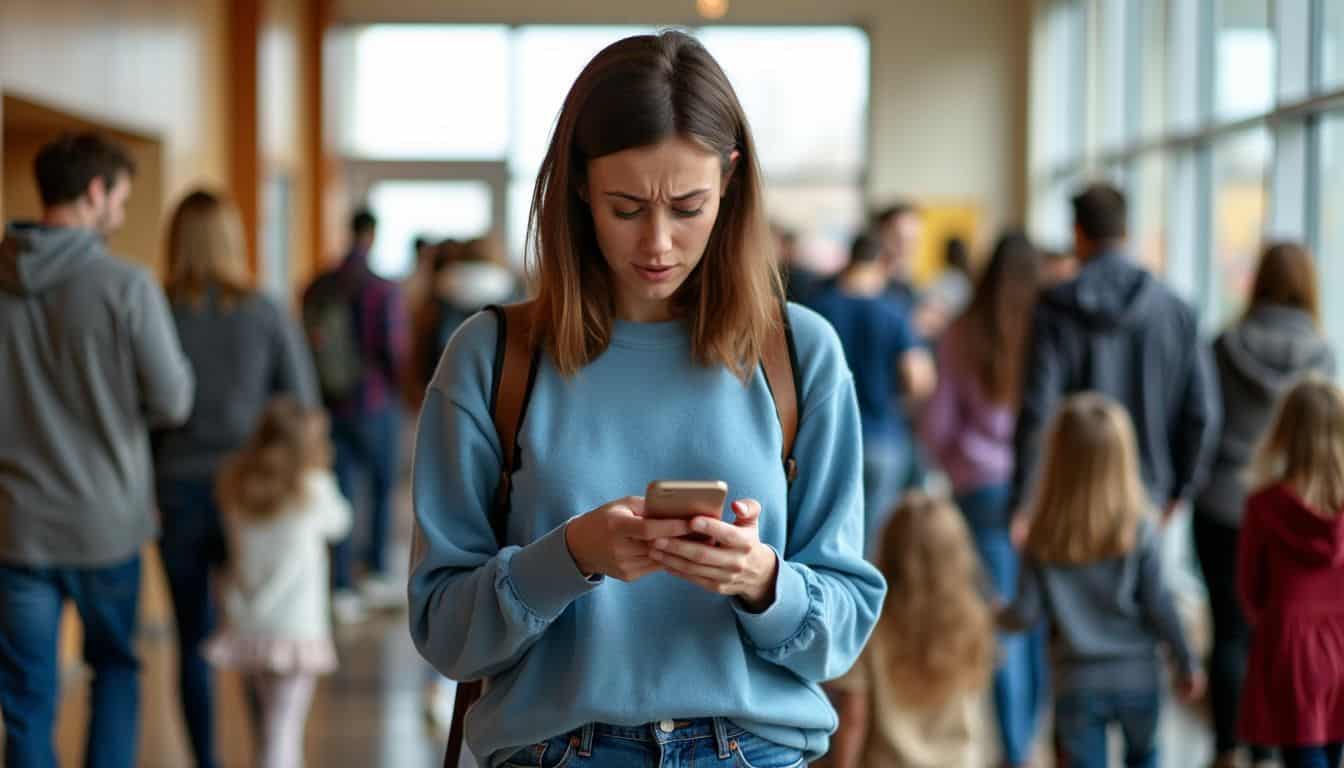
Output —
<point x="644" y="311"/>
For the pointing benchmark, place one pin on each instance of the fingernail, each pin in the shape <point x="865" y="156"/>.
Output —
<point x="700" y="525"/>
<point x="660" y="543"/>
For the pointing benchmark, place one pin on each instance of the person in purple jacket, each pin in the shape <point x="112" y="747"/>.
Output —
<point x="968" y="426"/>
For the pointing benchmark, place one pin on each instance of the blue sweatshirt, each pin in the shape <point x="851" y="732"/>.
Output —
<point x="560" y="650"/>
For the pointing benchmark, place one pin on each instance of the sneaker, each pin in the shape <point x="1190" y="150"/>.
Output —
<point x="347" y="607"/>
<point x="440" y="696"/>
<point x="383" y="593"/>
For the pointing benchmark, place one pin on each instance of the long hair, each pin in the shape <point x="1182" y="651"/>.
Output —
<point x="994" y="327"/>
<point x="258" y="481"/>
<point x="1286" y="277"/>
<point x="636" y="93"/>
<point x="936" y="628"/>
<point x="1089" y="497"/>
<point x="206" y="250"/>
<point x="1304" y="446"/>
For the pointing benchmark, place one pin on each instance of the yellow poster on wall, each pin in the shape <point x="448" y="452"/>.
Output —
<point x="943" y="220"/>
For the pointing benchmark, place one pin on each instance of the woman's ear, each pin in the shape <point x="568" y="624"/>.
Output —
<point x="581" y="188"/>
<point x="728" y="171"/>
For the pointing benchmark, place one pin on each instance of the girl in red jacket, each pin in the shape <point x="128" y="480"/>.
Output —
<point x="1291" y="581"/>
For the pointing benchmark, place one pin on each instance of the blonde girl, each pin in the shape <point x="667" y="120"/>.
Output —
<point x="1092" y="568"/>
<point x="915" y="696"/>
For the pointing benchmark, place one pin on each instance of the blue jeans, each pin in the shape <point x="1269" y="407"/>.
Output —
<point x="366" y="446"/>
<point x="1081" y="718"/>
<point x="1313" y="757"/>
<point x="191" y="545"/>
<point x="1020" y="682"/>
<point x="669" y="744"/>
<point x="107" y="599"/>
<point x="887" y="473"/>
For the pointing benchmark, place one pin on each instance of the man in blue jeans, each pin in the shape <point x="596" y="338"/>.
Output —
<point x="89" y="361"/>
<point x="358" y="333"/>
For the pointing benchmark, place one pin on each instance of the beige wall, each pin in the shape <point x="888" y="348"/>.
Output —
<point x="157" y="68"/>
<point x="165" y="70"/>
<point x="949" y="85"/>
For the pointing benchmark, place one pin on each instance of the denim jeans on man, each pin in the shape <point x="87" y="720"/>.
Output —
<point x="191" y="546"/>
<point x="1081" y="719"/>
<point x="1020" y="681"/>
<point x="890" y="468"/>
<point x="666" y="744"/>
<point x="1313" y="757"/>
<point x="107" y="600"/>
<point x="366" y="447"/>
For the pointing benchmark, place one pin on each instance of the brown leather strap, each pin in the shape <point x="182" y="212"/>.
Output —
<point x="515" y="361"/>
<point x="467" y="694"/>
<point x="781" y="370"/>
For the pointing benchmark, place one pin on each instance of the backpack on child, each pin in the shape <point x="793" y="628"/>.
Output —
<point x="515" y="370"/>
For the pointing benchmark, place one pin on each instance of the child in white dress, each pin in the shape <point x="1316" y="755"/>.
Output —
<point x="282" y="508"/>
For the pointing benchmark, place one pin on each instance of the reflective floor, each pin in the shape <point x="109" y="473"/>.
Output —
<point x="371" y="712"/>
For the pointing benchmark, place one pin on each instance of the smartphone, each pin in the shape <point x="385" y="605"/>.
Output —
<point x="684" y="499"/>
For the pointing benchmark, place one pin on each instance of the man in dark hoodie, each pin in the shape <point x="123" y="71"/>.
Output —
<point x="1116" y="329"/>
<point x="89" y="361"/>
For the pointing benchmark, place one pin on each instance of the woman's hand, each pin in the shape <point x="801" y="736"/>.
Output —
<point x="615" y="539"/>
<point x="734" y="562"/>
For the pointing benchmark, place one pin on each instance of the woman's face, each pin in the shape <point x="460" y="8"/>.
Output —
<point x="653" y="209"/>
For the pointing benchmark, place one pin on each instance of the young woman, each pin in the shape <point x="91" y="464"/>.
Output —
<point x="244" y="349"/>
<point x="1277" y="342"/>
<point x="968" y="426"/>
<point x="608" y="638"/>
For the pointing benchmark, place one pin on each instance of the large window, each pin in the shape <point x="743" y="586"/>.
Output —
<point x="1330" y="61"/>
<point x="1331" y="232"/>
<point x="466" y="94"/>
<point x="1240" y="162"/>
<point x="1238" y="134"/>
<point x="1244" y="58"/>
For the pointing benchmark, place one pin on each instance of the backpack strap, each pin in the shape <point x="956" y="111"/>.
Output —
<point x="515" y="372"/>
<point x="779" y="363"/>
<point x="516" y="359"/>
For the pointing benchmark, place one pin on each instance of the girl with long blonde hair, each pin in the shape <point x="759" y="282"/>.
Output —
<point x="915" y="696"/>
<point x="1092" y="568"/>
<point x="1291" y="581"/>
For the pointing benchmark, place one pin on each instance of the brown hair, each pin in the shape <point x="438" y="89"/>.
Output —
<point x="936" y="628"/>
<point x="636" y="93"/>
<point x="65" y="166"/>
<point x="206" y="250"/>
<point x="1089" y="498"/>
<point x="1304" y="446"/>
<point x="1286" y="276"/>
<point x="994" y="327"/>
<point x="259" y="480"/>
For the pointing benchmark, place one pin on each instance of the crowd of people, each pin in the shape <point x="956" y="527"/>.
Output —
<point x="843" y="607"/>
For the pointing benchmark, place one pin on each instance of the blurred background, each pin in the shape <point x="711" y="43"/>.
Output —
<point x="1223" y="120"/>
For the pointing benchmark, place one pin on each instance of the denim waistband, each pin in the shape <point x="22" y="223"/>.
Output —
<point x="722" y="730"/>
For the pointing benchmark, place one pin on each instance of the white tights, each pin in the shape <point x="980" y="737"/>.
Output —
<point x="279" y="707"/>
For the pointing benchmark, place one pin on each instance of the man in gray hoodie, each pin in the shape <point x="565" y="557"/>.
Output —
<point x="89" y="361"/>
